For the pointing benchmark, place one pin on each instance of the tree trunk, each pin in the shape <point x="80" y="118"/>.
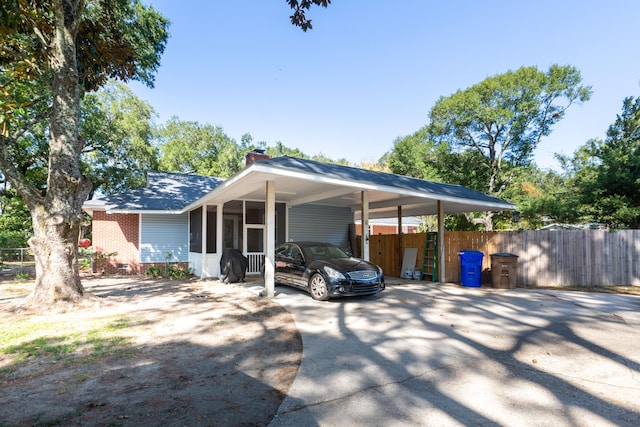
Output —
<point x="56" y="221"/>
<point x="55" y="247"/>
<point x="487" y="221"/>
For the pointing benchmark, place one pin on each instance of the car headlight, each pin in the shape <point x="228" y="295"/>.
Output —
<point x="334" y="274"/>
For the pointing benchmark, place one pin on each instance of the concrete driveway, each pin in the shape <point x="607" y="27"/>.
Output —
<point x="443" y="355"/>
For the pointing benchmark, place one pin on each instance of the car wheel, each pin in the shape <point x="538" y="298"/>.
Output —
<point x="318" y="288"/>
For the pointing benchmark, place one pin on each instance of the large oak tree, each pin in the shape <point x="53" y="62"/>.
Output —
<point x="52" y="52"/>
<point x="504" y="118"/>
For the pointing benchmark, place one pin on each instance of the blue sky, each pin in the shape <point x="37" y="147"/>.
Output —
<point x="370" y="70"/>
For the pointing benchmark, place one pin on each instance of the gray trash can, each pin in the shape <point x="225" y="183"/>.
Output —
<point x="504" y="270"/>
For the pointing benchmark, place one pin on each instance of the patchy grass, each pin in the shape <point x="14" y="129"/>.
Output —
<point x="66" y="341"/>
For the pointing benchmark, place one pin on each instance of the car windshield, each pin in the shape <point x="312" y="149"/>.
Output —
<point x="325" y="252"/>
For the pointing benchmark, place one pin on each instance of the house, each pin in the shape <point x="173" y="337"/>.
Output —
<point x="191" y="219"/>
<point x="408" y="225"/>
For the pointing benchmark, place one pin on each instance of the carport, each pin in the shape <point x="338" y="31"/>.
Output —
<point x="369" y="194"/>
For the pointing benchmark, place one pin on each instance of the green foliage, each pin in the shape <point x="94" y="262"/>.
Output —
<point x="541" y="197"/>
<point x="204" y="149"/>
<point x="27" y="339"/>
<point x="177" y="272"/>
<point x="154" y="271"/>
<point x="15" y="221"/>
<point x="117" y="129"/>
<point x="484" y="137"/>
<point x="170" y="271"/>
<point x="504" y="117"/>
<point x="122" y="39"/>
<point x="22" y="276"/>
<point x="84" y="263"/>
<point x="280" y="150"/>
<point x="414" y="155"/>
<point x="419" y="156"/>
<point x="191" y="147"/>
<point x="606" y="174"/>
<point x="51" y="54"/>
<point x="299" y="7"/>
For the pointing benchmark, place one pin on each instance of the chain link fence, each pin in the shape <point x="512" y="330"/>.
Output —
<point x="20" y="261"/>
<point x="16" y="261"/>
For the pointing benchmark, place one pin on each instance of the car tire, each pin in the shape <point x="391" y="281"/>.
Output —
<point x="318" y="288"/>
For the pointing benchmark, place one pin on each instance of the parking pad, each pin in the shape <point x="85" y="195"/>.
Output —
<point x="428" y="354"/>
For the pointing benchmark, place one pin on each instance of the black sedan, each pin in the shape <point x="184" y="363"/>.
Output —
<point x="325" y="271"/>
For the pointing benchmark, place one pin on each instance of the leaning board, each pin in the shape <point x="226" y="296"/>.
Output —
<point x="409" y="260"/>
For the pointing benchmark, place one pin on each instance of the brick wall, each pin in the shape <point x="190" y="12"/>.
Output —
<point x="120" y="233"/>
<point x="117" y="233"/>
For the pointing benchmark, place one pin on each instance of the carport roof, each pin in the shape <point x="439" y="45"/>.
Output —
<point x="301" y="181"/>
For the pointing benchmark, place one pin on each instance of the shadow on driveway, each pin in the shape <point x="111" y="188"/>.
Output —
<point x="431" y="354"/>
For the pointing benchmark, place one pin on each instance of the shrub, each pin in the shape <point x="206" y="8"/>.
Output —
<point x="154" y="271"/>
<point x="176" y="272"/>
<point x="22" y="276"/>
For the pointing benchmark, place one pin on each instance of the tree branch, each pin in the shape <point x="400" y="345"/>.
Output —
<point x="27" y="126"/>
<point x="29" y="192"/>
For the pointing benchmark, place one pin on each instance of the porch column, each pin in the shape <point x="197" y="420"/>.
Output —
<point x="400" y="243"/>
<point x="270" y="243"/>
<point x="365" y="225"/>
<point x="441" y="276"/>
<point x="219" y="232"/>
<point x="205" y="268"/>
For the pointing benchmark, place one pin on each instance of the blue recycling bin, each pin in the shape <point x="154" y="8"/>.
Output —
<point x="471" y="268"/>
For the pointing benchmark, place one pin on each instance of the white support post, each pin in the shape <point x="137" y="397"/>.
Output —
<point x="365" y="225"/>
<point x="205" y="269"/>
<point x="400" y="238"/>
<point x="270" y="241"/>
<point x="219" y="232"/>
<point x="441" y="275"/>
<point x="244" y="227"/>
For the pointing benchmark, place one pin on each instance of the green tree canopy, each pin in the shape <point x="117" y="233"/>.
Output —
<point x="52" y="52"/>
<point x="504" y="117"/>
<point x="202" y="149"/>
<point x="117" y="130"/>
<point x="606" y="174"/>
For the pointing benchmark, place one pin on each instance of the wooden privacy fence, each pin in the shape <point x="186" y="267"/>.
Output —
<point x="546" y="258"/>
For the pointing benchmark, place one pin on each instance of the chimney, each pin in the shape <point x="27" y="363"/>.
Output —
<point x="256" y="155"/>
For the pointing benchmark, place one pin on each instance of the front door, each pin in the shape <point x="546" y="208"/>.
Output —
<point x="230" y="234"/>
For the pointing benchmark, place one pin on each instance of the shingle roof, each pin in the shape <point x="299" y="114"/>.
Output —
<point x="163" y="192"/>
<point x="378" y="178"/>
<point x="169" y="192"/>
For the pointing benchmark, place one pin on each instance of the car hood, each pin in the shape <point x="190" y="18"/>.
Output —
<point x="346" y="265"/>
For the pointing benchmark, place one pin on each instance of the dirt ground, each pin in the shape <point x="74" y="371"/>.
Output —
<point x="200" y="353"/>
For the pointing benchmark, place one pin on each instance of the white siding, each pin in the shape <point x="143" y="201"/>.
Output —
<point x="320" y="223"/>
<point x="161" y="234"/>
